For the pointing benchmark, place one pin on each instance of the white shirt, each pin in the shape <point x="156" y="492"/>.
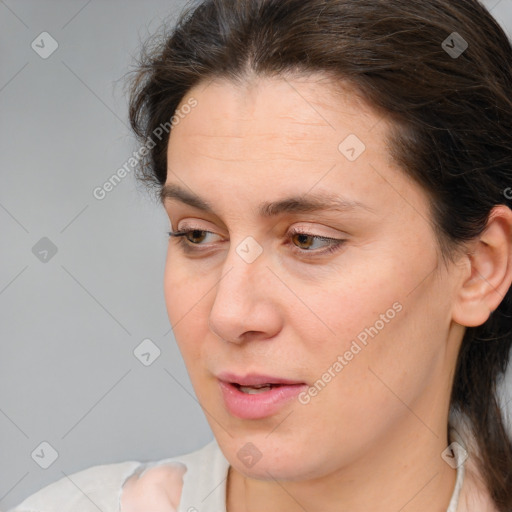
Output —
<point x="204" y="483"/>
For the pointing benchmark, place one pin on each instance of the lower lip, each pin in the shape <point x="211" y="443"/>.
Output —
<point x="255" y="406"/>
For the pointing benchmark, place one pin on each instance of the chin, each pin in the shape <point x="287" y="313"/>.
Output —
<point x="269" y="469"/>
<point x="262" y="458"/>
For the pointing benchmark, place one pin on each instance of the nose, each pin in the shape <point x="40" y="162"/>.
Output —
<point x="246" y="304"/>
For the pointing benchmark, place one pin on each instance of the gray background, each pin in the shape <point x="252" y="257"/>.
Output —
<point x="70" y="323"/>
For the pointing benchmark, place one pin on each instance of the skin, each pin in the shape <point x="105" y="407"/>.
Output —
<point x="372" y="438"/>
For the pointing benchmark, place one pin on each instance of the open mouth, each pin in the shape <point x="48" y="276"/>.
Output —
<point x="257" y="400"/>
<point x="254" y="390"/>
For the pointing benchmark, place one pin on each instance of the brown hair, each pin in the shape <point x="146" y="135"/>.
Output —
<point x="452" y="113"/>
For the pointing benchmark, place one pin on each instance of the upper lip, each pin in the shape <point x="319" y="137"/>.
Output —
<point x="254" y="379"/>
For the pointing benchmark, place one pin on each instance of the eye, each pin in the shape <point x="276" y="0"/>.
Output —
<point x="194" y="236"/>
<point x="302" y="243"/>
<point x="188" y="238"/>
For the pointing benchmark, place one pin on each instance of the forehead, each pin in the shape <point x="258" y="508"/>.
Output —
<point x="270" y="111"/>
<point x="278" y="137"/>
<point x="263" y="149"/>
<point x="278" y="130"/>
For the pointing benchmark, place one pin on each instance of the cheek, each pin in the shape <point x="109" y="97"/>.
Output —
<point x="188" y="302"/>
<point x="374" y="332"/>
<point x="174" y="288"/>
<point x="351" y="306"/>
<point x="181" y="298"/>
<point x="392" y="348"/>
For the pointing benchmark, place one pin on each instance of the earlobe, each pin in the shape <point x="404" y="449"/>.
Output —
<point x="489" y="271"/>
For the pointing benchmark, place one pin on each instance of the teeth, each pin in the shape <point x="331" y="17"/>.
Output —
<point x="253" y="390"/>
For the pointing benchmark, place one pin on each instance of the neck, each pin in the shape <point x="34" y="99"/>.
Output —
<point x="404" y="472"/>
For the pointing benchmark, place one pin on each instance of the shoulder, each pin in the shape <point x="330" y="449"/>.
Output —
<point x="164" y="485"/>
<point x="474" y="495"/>
<point x="108" y="487"/>
<point x="93" y="488"/>
<point x="157" y="489"/>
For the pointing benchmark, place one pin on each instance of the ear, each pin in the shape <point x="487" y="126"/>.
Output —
<point x="488" y="270"/>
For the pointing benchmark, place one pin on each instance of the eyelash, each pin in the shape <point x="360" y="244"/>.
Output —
<point x="334" y="243"/>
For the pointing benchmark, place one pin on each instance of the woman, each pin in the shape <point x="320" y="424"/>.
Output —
<point x="337" y="178"/>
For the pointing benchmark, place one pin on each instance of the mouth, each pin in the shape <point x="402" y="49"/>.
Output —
<point x="257" y="396"/>
<point x="256" y="380"/>
<point x="254" y="390"/>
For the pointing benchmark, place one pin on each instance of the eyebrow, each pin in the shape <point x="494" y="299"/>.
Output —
<point x="306" y="203"/>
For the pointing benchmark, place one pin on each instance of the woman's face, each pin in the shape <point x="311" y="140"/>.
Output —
<point x="360" y="325"/>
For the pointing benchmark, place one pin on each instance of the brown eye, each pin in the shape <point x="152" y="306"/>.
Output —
<point x="196" y="236"/>
<point x="192" y="239"/>
<point x="313" y="245"/>
<point x="303" y="240"/>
